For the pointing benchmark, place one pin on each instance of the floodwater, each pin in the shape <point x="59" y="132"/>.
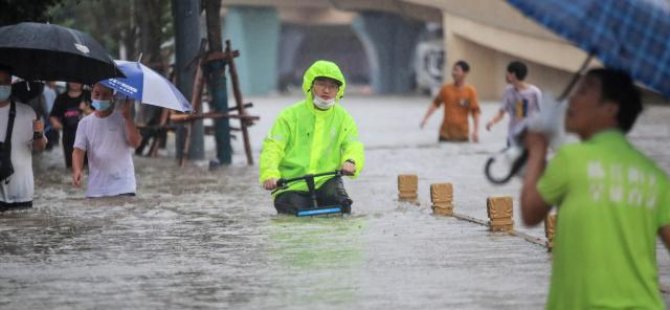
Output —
<point x="195" y="238"/>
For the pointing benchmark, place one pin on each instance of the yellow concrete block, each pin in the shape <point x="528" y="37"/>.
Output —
<point x="550" y="229"/>
<point x="408" y="185"/>
<point x="407" y="196"/>
<point x="506" y="227"/>
<point x="441" y="192"/>
<point x="499" y="207"/>
<point x="443" y="209"/>
<point x="499" y="222"/>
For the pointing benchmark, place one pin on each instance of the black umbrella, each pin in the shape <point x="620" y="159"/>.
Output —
<point x="50" y="52"/>
<point x="25" y="91"/>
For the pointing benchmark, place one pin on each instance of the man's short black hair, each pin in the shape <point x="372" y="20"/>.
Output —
<point x="464" y="65"/>
<point x="618" y="87"/>
<point x="519" y="69"/>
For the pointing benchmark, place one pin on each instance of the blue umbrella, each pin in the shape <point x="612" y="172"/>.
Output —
<point x="631" y="35"/>
<point x="147" y="86"/>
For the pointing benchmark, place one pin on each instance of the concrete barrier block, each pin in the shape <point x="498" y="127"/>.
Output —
<point x="408" y="185"/>
<point x="441" y="192"/>
<point x="550" y="230"/>
<point x="500" y="211"/>
<point x="443" y="209"/>
<point x="499" y="207"/>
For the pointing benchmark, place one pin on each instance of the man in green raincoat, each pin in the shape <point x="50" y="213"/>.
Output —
<point x="313" y="136"/>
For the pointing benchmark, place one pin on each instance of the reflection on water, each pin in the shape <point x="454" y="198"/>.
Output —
<point x="316" y="260"/>
<point x="194" y="238"/>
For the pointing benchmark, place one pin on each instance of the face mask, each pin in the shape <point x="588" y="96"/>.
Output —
<point x="5" y="91"/>
<point x="322" y="103"/>
<point x="101" y="105"/>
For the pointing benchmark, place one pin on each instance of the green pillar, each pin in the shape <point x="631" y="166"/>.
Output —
<point x="216" y="82"/>
<point x="254" y="31"/>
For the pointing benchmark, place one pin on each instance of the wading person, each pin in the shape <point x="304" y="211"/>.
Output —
<point x="65" y="116"/>
<point x="109" y="138"/>
<point x="22" y="132"/>
<point x="459" y="100"/>
<point x="612" y="201"/>
<point x="520" y="99"/>
<point x="313" y="136"/>
<point x="50" y="95"/>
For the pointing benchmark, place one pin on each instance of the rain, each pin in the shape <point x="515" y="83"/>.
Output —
<point x="202" y="233"/>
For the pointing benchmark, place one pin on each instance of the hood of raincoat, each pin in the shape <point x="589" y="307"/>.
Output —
<point x="323" y="68"/>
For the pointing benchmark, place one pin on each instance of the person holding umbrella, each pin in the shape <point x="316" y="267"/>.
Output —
<point x="149" y="87"/>
<point x="109" y="139"/>
<point x="50" y="93"/>
<point x="612" y="201"/>
<point x="21" y="133"/>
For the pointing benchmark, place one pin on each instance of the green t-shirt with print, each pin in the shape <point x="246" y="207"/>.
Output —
<point x="611" y="202"/>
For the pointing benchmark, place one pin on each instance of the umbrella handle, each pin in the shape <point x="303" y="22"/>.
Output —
<point x="575" y="78"/>
<point x="516" y="166"/>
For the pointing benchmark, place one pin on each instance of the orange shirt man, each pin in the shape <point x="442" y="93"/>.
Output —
<point x="460" y="100"/>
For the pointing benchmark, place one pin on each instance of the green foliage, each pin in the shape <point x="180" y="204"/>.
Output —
<point x="124" y="27"/>
<point x="133" y="26"/>
<point x="16" y="11"/>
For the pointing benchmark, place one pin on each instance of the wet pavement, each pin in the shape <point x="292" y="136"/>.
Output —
<point x="195" y="238"/>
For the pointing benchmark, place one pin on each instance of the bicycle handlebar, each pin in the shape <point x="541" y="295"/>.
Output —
<point x="283" y="183"/>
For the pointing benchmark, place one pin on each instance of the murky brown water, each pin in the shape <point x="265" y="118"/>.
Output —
<point x="195" y="238"/>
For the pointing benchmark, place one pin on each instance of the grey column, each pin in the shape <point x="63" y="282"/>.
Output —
<point x="186" y="14"/>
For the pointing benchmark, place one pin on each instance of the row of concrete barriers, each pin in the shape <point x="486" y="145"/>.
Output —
<point x="499" y="209"/>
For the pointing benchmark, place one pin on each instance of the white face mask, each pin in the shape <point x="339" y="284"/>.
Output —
<point x="101" y="105"/>
<point x="323" y="104"/>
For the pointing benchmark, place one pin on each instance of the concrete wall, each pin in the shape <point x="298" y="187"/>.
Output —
<point x="486" y="33"/>
<point x="489" y="50"/>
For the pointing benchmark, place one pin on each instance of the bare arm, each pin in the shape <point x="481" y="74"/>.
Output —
<point x="475" y="129"/>
<point x="495" y="119"/>
<point x="664" y="232"/>
<point x="133" y="136"/>
<point x="77" y="166"/>
<point x="533" y="208"/>
<point x="40" y="142"/>
<point x="429" y="112"/>
<point x="55" y="123"/>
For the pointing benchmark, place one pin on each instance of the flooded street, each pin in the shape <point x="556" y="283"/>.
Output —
<point x="195" y="238"/>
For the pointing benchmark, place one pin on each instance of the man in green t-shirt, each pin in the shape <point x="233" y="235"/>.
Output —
<point x="611" y="201"/>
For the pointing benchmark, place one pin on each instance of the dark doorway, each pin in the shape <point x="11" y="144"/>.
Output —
<point x="301" y="45"/>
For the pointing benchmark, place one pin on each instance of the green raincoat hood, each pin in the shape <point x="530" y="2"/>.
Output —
<point x="323" y="68"/>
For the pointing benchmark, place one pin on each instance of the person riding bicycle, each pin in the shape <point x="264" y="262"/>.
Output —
<point x="312" y="136"/>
